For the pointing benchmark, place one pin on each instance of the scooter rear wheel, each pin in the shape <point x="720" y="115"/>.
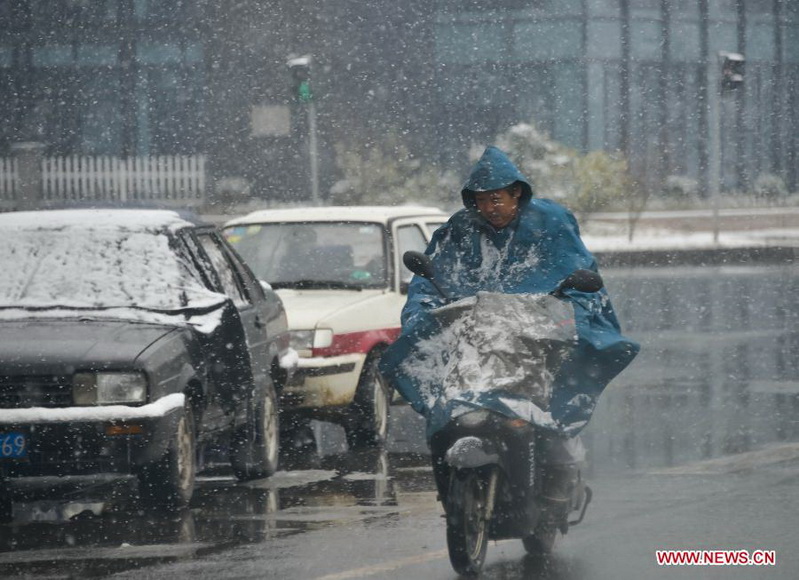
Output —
<point x="467" y="528"/>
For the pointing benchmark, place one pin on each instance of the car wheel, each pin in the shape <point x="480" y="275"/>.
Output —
<point x="169" y="482"/>
<point x="255" y="448"/>
<point x="367" y="425"/>
<point x="298" y="449"/>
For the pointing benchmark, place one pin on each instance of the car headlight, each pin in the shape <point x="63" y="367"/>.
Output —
<point x="301" y="339"/>
<point x="310" y="339"/>
<point x="109" y="388"/>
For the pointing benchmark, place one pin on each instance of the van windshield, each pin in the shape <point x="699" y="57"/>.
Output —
<point x="314" y="254"/>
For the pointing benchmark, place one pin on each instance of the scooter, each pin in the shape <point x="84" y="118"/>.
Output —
<point x="501" y="469"/>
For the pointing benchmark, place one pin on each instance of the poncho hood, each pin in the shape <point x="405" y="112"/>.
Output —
<point x="494" y="170"/>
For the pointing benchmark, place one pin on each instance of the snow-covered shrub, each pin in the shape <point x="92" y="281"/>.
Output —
<point x="385" y="172"/>
<point x="601" y="182"/>
<point x="680" y="187"/>
<point x="585" y="183"/>
<point x="545" y="162"/>
<point x="232" y="191"/>
<point x="770" y="187"/>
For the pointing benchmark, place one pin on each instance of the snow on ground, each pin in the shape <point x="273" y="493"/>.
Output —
<point x="659" y="239"/>
<point x="770" y="454"/>
<point x="681" y="230"/>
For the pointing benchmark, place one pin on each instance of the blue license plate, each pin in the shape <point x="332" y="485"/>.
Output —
<point x="13" y="445"/>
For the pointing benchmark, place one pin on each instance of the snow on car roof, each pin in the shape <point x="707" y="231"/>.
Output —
<point x="380" y="214"/>
<point x="130" y="219"/>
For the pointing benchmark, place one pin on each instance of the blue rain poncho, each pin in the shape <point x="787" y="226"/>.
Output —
<point x="533" y="254"/>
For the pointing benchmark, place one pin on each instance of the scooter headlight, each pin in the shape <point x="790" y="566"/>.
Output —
<point x="473" y="419"/>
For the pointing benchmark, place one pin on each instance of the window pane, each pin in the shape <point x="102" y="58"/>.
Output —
<point x="170" y="10"/>
<point x="224" y="271"/>
<point x="685" y="41"/>
<point x="409" y="238"/>
<point x="646" y="40"/>
<point x="52" y="55"/>
<point x="432" y="226"/>
<point x="604" y="38"/>
<point x="6" y="56"/>
<point x="154" y="53"/>
<point x="97" y="55"/>
<point x="173" y="107"/>
<point x="760" y="42"/>
<point x="101" y="123"/>
<point x="548" y="40"/>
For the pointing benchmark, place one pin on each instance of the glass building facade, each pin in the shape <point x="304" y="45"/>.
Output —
<point x="153" y="77"/>
<point x="629" y="75"/>
<point x="101" y="77"/>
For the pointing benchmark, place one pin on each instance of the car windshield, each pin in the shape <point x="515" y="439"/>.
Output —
<point x="95" y="268"/>
<point x="314" y="255"/>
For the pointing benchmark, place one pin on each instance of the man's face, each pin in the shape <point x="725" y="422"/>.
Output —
<point x="499" y="206"/>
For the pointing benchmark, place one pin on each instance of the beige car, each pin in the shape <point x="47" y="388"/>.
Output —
<point x="339" y="273"/>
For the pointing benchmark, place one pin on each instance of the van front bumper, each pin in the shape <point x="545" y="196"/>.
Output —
<point x="323" y="382"/>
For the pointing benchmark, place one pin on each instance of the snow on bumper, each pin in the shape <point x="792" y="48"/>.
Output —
<point x="37" y="415"/>
<point x="90" y="440"/>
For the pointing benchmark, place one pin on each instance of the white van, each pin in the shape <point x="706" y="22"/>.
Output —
<point x="339" y="273"/>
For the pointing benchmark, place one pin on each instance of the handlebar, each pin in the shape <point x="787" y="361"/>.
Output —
<point x="582" y="280"/>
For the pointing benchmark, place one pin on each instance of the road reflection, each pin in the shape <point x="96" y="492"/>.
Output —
<point x="552" y="567"/>
<point x="97" y="525"/>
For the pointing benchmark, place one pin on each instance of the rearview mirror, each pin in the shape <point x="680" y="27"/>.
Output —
<point x="418" y="263"/>
<point x="582" y="281"/>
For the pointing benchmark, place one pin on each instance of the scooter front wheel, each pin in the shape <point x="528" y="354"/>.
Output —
<point x="540" y="543"/>
<point x="467" y="525"/>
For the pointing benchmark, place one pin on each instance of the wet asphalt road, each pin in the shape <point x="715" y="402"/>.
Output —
<point x="374" y="515"/>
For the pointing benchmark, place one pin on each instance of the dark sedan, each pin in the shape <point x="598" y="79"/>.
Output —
<point x="131" y="341"/>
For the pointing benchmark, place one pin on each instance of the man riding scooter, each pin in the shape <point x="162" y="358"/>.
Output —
<point x="507" y="241"/>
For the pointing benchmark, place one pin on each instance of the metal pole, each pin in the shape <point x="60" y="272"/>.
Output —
<point x="312" y="153"/>
<point x="714" y="141"/>
<point x="29" y="184"/>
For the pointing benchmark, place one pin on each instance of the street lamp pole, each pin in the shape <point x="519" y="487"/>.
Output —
<point x="300" y="68"/>
<point x="725" y="73"/>
<point x="714" y="127"/>
<point x="313" y="152"/>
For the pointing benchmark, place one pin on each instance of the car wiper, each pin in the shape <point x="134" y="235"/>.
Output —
<point x="317" y="284"/>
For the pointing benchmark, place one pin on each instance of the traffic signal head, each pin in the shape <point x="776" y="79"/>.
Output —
<point x="732" y="70"/>
<point x="300" y="69"/>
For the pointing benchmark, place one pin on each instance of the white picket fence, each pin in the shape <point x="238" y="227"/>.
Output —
<point x="175" y="180"/>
